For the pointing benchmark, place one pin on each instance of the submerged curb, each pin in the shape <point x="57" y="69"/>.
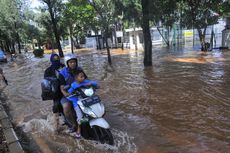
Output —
<point x="9" y="133"/>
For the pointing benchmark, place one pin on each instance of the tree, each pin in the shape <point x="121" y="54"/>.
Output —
<point x="200" y="14"/>
<point x="10" y="23"/>
<point x="166" y="13"/>
<point x="225" y="12"/>
<point x="105" y="13"/>
<point x="138" y="12"/>
<point x="55" y="8"/>
<point x="79" y="16"/>
<point x="40" y="29"/>
<point x="132" y="15"/>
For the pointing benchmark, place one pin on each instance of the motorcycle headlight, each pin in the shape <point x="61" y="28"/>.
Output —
<point x="88" y="92"/>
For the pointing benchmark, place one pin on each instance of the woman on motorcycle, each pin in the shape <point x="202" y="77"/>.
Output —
<point x="53" y="71"/>
<point x="66" y="78"/>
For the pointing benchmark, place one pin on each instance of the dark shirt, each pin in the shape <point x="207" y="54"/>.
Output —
<point x="51" y="72"/>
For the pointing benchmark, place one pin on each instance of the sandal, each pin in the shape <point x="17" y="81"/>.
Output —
<point x="78" y="135"/>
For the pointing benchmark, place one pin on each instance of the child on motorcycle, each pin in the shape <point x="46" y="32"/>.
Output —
<point x="80" y="81"/>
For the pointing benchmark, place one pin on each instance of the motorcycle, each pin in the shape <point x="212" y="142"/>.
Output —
<point x="93" y="125"/>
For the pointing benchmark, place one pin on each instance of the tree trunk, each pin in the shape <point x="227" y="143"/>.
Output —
<point x="17" y="38"/>
<point x="54" y="25"/>
<point x="202" y="39"/>
<point x="71" y="38"/>
<point x="107" y="46"/>
<point x="8" y="46"/>
<point x="52" y="45"/>
<point x="168" y="33"/>
<point x="164" y="39"/>
<point x="39" y="43"/>
<point x="228" y="22"/>
<point x="193" y="36"/>
<point x="13" y="47"/>
<point x="5" y="47"/>
<point x="1" y="45"/>
<point x="115" y="36"/>
<point x="146" y="33"/>
<point x="123" y="32"/>
<point x="212" y="38"/>
<point x="19" y="43"/>
<point x="135" y="38"/>
<point x="98" y="40"/>
<point x="77" y="40"/>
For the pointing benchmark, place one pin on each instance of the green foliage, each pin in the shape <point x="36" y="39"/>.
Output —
<point x="55" y="9"/>
<point x="15" y="18"/>
<point x="225" y="8"/>
<point x="199" y="13"/>
<point x="132" y="12"/>
<point x="79" y="16"/>
<point x="43" y="31"/>
<point x="38" y="52"/>
<point x="9" y="19"/>
<point x="166" y="12"/>
<point x="105" y="12"/>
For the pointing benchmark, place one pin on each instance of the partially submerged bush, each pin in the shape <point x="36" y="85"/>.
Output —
<point x="38" y="52"/>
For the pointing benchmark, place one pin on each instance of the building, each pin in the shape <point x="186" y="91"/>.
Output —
<point x="133" y="38"/>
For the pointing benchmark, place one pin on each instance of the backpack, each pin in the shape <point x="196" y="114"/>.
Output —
<point x="50" y="88"/>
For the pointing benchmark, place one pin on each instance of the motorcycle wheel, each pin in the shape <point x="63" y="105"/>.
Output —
<point x="103" y="135"/>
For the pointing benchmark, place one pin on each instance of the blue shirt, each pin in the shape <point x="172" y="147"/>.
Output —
<point x="74" y="86"/>
<point x="67" y="76"/>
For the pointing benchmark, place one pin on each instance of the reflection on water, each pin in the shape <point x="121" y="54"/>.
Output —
<point x="181" y="104"/>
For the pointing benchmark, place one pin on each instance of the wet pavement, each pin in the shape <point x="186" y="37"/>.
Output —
<point x="180" y="104"/>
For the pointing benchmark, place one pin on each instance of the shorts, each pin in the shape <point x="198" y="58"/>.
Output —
<point x="64" y="100"/>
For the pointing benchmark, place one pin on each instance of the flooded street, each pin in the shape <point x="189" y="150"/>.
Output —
<point x="180" y="104"/>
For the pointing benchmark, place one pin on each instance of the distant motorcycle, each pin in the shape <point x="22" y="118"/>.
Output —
<point x="94" y="126"/>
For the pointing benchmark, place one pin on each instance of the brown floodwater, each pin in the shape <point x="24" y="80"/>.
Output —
<point x="180" y="104"/>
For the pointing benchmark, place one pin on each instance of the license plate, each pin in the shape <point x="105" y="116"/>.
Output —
<point x="91" y="101"/>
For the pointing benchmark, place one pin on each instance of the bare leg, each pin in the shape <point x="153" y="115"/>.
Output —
<point x="56" y="118"/>
<point x="79" y="129"/>
<point x="67" y="109"/>
<point x="79" y="118"/>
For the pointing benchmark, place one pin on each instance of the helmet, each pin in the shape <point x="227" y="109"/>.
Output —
<point x="67" y="58"/>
